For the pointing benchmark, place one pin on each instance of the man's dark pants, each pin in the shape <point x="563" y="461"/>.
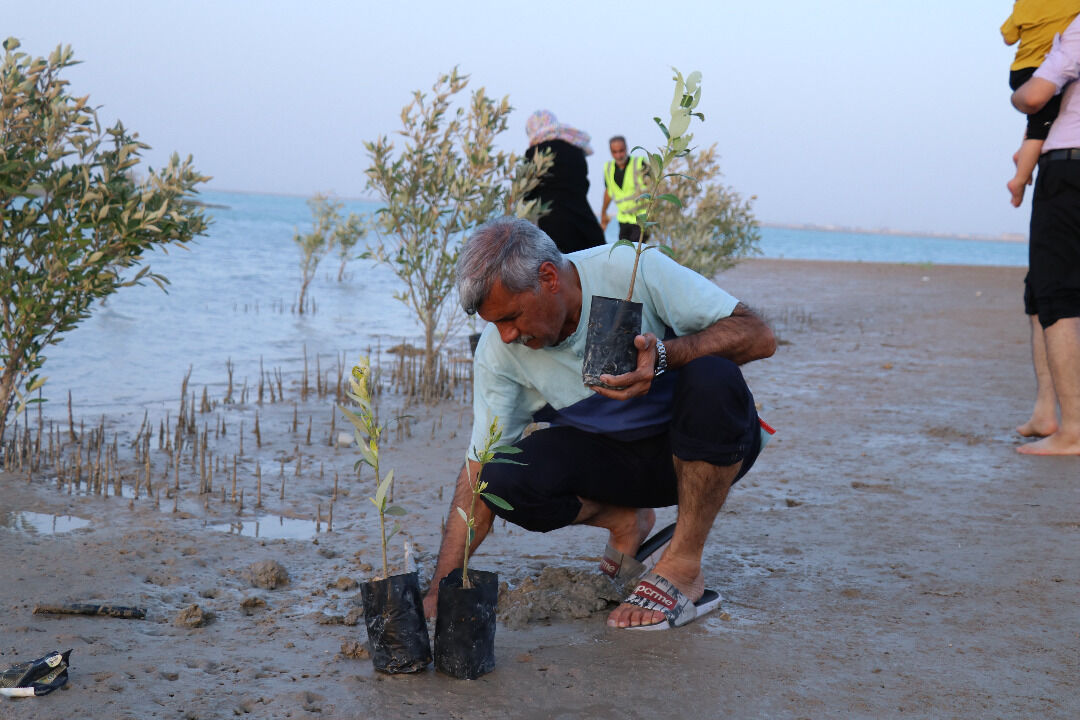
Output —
<point x="1052" y="285"/>
<point x="713" y="420"/>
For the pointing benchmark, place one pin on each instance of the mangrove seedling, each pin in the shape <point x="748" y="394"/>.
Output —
<point x="613" y="323"/>
<point x="329" y="229"/>
<point x="366" y="432"/>
<point x="686" y="99"/>
<point x="479" y="487"/>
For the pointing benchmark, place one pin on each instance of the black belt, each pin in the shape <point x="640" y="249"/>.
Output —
<point x="1063" y="154"/>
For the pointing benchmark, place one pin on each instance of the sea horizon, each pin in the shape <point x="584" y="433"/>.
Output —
<point x="816" y="227"/>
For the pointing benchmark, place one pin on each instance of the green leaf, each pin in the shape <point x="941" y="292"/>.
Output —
<point x="666" y="250"/>
<point x="497" y="501"/>
<point x="352" y="417"/>
<point x="663" y="129"/>
<point x="671" y="199"/>
<point x="508" y="461"/>
<point x="384" y="487"/>
<point x="396" y="529"/>
<point x="622" y="243"/>
<point x="365" y="451"/>
<point x="395" y="510"/>
<point x="687" y="177"/>
<point x="506" y="450"/>
<point x="462" y="514"/>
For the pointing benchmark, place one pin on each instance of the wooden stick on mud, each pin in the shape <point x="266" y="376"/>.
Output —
<point x="116" y="611"/>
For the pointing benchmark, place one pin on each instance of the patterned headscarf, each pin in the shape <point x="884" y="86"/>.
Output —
<point x="542" y="126"/>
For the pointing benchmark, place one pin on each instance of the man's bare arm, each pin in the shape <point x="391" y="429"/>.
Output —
<point x="740" y="337"/>
<point x="1032" y="95"/>
<point x="452" y="548"/>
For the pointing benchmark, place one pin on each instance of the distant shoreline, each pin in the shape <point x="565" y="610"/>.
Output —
<point x="1003" y="237"/>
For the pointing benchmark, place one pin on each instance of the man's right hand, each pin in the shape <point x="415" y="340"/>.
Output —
<point x="604" y="219"/>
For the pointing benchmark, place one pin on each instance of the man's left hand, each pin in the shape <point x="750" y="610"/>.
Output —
<point x="637" y="382"/>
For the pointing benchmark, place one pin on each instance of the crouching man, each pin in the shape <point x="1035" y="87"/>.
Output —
<point x="679" y="430"/>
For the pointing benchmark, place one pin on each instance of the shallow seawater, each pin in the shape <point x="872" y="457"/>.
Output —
<point x="273" y="528"/>
<point x="41" y="523"/>
<point x="231" y="298"/>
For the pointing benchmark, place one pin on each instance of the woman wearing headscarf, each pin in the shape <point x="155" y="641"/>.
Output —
<point x="571" y="222"/>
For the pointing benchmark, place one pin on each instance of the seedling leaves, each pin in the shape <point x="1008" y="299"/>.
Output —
<point x="498" y="501"/>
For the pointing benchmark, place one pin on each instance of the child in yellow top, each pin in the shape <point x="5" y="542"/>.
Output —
<point x="1034" y="23"/>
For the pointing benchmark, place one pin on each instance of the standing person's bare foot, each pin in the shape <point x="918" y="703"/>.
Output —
<point x="1054" y="444"/>
<point x="1038" y="427"/>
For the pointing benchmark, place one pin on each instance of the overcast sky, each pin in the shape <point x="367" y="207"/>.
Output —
<point x="863" y="113"/>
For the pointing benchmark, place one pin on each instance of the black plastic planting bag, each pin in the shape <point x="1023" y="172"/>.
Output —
<point x="397" y="632"/>
<point x="37" y="677"/>
<point x="465" y="624"/>
<point x="609" y="343"/>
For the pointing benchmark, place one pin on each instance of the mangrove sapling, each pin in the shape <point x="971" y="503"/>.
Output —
<point x="393" y="609"/>
<point x="346" y="235"/>
<point x="330" y="229"/>
<point x="465" y="616"/>
<point x="484" y="457"/>
<point x="72" y="217"/>
<point x="613" y="324"/>
<point x="367" y="432"/>
<point x="687" y="97"/>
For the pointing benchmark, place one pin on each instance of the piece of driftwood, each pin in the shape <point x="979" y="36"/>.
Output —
<point x="117" y="611"/>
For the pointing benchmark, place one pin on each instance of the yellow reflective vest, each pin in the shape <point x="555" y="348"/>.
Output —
<point x="633" y="184"/>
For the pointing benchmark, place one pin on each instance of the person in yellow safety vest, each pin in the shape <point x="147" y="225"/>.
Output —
<point x="624" y="181"/>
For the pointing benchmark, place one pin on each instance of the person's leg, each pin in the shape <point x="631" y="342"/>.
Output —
<point x="1025" y="158"/>
<point x="703" y="488"/>
<point x="1044" y="417"/>
<point x="715" y="439"/>
<point x="1063" y="359"/>
<point x="627" y="527"/>
<point x="1054" y="282"/>
<point x="571" y="477"/>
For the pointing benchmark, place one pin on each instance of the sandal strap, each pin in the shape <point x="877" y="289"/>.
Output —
<point x="654" y="592"/>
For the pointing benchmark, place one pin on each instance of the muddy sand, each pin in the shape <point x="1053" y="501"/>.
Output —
<point x="890" y="555"/>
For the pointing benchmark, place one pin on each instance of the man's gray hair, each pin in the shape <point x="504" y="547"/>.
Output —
<point x="508" y="249"/>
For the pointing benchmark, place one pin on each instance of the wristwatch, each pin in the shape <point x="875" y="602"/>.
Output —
<point x="661" y="359"/>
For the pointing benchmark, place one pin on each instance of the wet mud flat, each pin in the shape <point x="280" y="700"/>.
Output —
<point x="889" y="555"/>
